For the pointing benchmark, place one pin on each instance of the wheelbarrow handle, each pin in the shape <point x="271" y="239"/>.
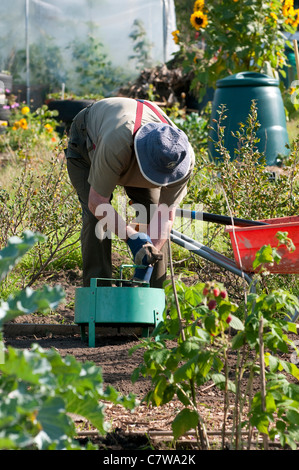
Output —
<point x="218" y="219"/>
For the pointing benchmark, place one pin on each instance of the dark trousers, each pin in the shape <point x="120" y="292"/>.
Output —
<point x="96" y="254"/>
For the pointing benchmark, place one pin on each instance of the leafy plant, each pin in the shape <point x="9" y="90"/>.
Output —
<point x="142" y="46"/>
<point x="93" y="71"/>
<point x="38" y="388"/>
<point x="245" y="180"/>
<point x="199" y="353"/>
<point x="47" y="67"/>
<point x="191" y="346"/>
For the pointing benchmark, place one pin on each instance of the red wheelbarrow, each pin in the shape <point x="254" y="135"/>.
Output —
<point x="246" y="241"/>
<point x="247" y="237"/>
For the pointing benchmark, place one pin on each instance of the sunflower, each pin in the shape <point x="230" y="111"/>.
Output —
<point x="198" y="20"/>
<point x="288" y="7"/>
<point x="288" y="3"/>
<point x="198" y="5"/>
<point x="175" y="35"/>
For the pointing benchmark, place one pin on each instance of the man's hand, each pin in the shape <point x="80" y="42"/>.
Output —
<point x="143" y="251"/>
<point x="147" y="255"/>
<point x="144" y="254"/>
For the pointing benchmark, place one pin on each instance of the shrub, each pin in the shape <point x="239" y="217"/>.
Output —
<point x="249" y="189"/>
<point x="38" y="388"/>
<point x="43" y="202"/>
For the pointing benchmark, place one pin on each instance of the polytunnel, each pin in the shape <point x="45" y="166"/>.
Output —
<point x="82" y="46"/>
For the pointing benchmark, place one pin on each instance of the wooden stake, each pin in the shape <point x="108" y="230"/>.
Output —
<point x="296" y="56"/>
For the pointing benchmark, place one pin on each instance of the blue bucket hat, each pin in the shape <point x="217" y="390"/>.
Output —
<point x="162" y="152"/>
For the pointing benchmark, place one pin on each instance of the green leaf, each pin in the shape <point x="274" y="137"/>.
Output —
<point x="263" y="255"/>
<point x="182" y="397"/>
<point x="210" y="324"/>
<point x="186" y="371"/>
<point x="160" y="356"/>
<point x="293" y="417"/>
<point x="273" y="362"/>
<point x="238" y="340"/>
<point x="236" y="323"/>
<point x="285" y="240"/>
<point x="190" y="347"/>
<point x="16" y="248"/>
<point x="25" y="365"/>
<point x="54" y="422"/>
<point x="193" y="297"/>
<point x="89" y="407"/>
<point x="270" y="403"/>
<point x="219" y="380"/>
<point x="290" y="368"/>
<point x="183" y="422"/>
<point x="292" y="327"/>
<point x="204" y="363"/>
<point x="29" y="301"/>
<point x="158" y="393"/>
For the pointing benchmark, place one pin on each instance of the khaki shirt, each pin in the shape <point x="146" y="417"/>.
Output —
<point x="110" y="124"/>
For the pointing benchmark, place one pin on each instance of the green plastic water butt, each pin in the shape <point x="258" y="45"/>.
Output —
<point x="291" y="70"/>
<point x="236" y="92"/>
<point x="117" y="306"/>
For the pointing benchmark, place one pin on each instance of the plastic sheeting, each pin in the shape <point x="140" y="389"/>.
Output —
<point x="25" y="22"/>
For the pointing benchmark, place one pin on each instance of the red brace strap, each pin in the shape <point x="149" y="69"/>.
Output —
<point x="139" y="111"/>
<point x="138" y="118"/>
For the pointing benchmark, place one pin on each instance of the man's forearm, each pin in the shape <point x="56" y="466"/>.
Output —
<point x="161" y="225"/>
<point x="158" y="229"/>
<point x="109" y="219"/>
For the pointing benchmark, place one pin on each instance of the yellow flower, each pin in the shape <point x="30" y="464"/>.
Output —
<point x="175" y="35"/>
<point x="23" y="123"/>
<point x="3" y="123"/>
<point x="25" y="110"/>
<point x="288" y="9"/>
<point x="48" y="127"/>
<point x="16" y="125"/>
<point x="198" y="20"/>
<point x="296" y="17"/>
<point x="288" y="3"/>
<point x="292" y="16"/>
<point x="274" y="16"/>
<point x="198" y="5"/>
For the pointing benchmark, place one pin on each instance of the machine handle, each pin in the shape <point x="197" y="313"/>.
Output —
<point x="215" y="218"/>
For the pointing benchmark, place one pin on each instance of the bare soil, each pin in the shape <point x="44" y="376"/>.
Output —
<point x="147" y="425"/>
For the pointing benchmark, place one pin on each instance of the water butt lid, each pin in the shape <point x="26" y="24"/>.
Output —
<point x="247" y="79"/>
